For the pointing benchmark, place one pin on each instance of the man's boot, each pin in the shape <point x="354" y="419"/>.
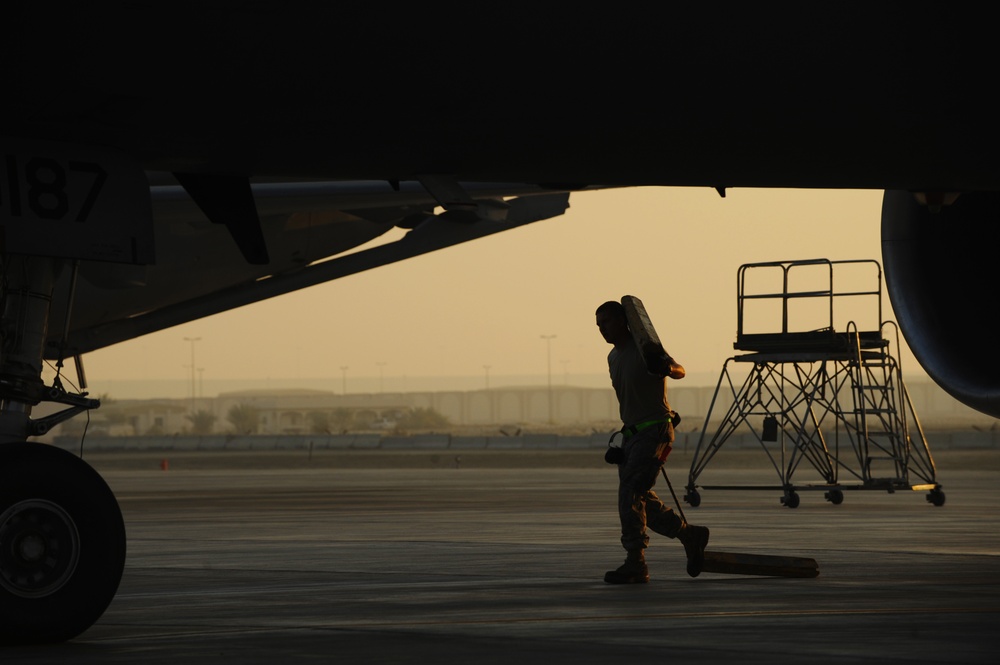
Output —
<point x="633" y="571"/>
<point x="695" y="539"/>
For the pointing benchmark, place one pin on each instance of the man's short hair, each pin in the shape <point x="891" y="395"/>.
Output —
<point x="612" y="307"/>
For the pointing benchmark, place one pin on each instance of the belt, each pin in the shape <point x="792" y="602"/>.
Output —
<point x="632" y="430"/>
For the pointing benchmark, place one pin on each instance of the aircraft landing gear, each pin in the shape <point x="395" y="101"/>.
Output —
<point x="62" y="544"/>
<point x="62" y="537"/>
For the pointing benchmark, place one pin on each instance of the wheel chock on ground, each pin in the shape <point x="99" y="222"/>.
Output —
<point x="759" y="564"/>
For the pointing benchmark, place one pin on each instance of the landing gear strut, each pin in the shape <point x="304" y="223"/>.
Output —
<point x="62" y="537"/>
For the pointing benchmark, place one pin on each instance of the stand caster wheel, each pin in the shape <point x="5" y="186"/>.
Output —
<point x="790" y="500"/>
<point x="936" y="496"/>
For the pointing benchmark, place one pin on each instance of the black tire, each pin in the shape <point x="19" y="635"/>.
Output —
<point x="836" y="497"/>
<point x="693" y="498"/>
<point x="936" y="496"/>
<point x="62" y="544"/>
<point x="791" y="500"/>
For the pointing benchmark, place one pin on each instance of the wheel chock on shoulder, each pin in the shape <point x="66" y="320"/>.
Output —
<point x="759" y="564"/>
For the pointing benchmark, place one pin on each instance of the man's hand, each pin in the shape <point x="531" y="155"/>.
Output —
<point x="664" y="365"/>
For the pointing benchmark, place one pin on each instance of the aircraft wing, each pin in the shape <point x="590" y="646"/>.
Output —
<point x="308" y="230"/>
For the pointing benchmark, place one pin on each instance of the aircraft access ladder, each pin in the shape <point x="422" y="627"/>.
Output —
<point x="834" y="399"/>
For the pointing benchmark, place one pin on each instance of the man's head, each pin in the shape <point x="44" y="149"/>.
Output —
<point x="612" y="323"/>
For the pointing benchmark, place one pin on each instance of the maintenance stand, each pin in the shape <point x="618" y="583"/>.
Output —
<point x="833" y="398"/>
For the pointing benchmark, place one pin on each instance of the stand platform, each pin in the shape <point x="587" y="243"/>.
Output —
<point x="831" y="397"/>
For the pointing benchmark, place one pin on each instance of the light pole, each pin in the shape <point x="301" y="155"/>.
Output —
<point x="193" y="394"/>
<point x="343" y="379"/>
<point x="489" y="397"/>
<point x="548" y="343"/>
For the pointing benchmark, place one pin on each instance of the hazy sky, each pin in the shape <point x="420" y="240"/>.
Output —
<point x="489" y="302"/>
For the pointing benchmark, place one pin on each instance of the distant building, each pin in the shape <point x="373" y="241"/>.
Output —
<point x="293" y="411"/>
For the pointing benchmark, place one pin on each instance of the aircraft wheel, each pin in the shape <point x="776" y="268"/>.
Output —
<point x="693" y="498"/>
<point x="62" y="544"/>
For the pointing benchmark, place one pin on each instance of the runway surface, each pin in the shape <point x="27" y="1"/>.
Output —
<point x="403" y="559"/>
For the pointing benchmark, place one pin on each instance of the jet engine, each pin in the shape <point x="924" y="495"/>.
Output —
<point x="941" y="264"/>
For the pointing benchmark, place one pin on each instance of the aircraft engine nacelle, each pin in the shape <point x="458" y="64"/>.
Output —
<point x="942" y="270"/>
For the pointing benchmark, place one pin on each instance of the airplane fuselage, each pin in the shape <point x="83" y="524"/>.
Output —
<point x="815" y="99"/>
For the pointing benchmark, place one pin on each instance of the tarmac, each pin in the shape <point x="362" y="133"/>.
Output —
<point x="390" y="557"/>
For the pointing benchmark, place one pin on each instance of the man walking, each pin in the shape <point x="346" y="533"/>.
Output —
<point x="648" y="433"/>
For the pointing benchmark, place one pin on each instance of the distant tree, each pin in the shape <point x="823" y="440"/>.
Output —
<point x="421" y="418"/>
<point x="319" y="422"/>
<point x="201" y="421"/>
<point x="155" y="430"/>
<point x="244" y="418"/>
<point x="364" y="418"/>
<point x="113" y="414"/>
<point x="341" y="420"/>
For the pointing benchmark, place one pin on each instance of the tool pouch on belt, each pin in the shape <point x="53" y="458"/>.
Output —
<point x="614" y="454"/>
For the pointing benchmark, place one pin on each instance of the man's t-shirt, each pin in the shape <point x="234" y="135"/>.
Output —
<point x="641" y="395"/>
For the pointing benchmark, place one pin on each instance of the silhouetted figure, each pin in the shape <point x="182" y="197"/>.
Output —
<point x="647" y="435"/>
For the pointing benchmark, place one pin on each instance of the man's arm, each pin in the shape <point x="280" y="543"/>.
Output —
<point x="662" y="364"/>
